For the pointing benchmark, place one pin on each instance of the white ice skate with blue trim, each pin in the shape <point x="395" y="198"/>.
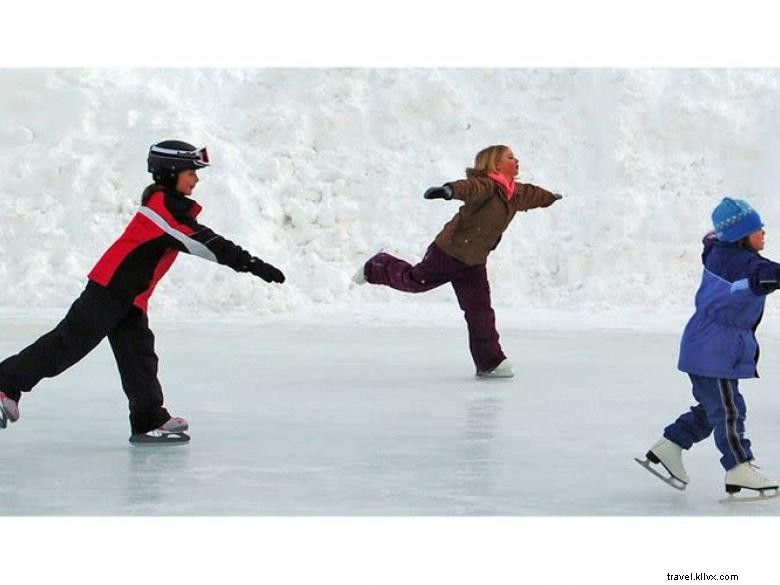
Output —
<point x="669" y="456"/>
<point x="746" y="476"/>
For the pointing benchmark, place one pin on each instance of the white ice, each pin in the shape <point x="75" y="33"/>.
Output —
<point x="362" y="419"/>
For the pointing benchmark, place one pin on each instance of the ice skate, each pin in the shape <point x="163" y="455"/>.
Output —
<point x="746" y="476"/>
<point x="9" y="410"/>
<point x="502" y="370"/>
<point x="172" y="432"/>
<point x="669" y="456"/>
<point x="360" y="276"/>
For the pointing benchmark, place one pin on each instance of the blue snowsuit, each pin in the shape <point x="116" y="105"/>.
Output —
<point x="719" y="347"/>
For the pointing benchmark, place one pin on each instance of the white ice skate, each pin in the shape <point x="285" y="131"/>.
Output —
<point x="9" y="410"/>
<point x="669" y="456"/>
<point x="360" y="277"/>
<point x="172" y="432"/>
<point x="502" y="370"/>
<point x="360" y="274"/>
<point x="746" y="476"/>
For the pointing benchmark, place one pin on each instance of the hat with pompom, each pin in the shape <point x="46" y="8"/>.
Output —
<point x="733" y="219"/>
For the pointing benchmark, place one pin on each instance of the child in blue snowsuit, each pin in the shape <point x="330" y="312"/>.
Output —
<point x="719" y="347"/>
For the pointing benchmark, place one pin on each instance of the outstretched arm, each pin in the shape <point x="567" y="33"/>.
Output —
<point x="530" y="196"/>
<point x="764" y="277"/>
<point x="191" y="237"/>
<point x="466" y="190"/>
<point x="232" y="255"/>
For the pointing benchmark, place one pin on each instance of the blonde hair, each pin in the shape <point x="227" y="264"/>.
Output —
<point x="485" y="161"/>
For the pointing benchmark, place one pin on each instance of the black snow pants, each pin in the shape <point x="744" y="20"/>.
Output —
<point x="97" y="313"/>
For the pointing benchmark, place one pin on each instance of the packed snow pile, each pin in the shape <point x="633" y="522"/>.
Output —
<point x="315" y="169"/>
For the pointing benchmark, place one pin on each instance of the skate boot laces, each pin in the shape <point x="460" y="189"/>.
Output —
<point x="753" y="469"/>
<point x="746" y="475"/>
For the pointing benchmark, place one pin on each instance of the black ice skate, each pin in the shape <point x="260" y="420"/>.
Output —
<point x="171" y="433"/>
<point x="9" y="410"/>
<point x="746" y="476"/>
<point x="669" y="456"/>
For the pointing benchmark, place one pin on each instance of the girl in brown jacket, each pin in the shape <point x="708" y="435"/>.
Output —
<point x="459" y="253"/>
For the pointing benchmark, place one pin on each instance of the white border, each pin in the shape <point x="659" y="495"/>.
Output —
<point x="404" y="33"/>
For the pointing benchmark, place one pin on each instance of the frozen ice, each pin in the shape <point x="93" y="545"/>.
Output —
<point x="290" y="418"/>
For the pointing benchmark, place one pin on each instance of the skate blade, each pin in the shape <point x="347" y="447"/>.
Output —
<point x="767" y="494"/>
<point x="670" y="480"/>
<point x="166" y="439"/>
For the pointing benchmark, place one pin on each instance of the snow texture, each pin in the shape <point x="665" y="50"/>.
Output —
<point x="315" y="169"/>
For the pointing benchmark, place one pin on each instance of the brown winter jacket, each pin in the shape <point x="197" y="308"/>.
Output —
<point x="477" y="228"/>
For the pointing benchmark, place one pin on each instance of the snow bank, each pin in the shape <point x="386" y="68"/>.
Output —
<point x="315" y="169"/>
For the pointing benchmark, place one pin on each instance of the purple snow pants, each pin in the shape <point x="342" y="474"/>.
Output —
<point x="471" y="287"/>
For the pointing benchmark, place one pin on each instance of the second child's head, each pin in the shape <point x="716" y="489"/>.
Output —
<point x="734" y="220"/>
<point x="494" y="159"/>
<point x="174" y="164"/>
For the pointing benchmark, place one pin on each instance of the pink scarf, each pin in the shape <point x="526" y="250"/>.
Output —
<point x="508" y="186"/>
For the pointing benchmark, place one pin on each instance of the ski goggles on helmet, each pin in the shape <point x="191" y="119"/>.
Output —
<point x="199" y="157"/>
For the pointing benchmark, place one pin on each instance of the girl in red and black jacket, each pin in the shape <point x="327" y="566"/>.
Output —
<point x="114" y="302"/>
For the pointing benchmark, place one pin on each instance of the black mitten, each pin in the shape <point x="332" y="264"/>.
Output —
<point x="444" y="192"/>
<point x="265" y="271"/>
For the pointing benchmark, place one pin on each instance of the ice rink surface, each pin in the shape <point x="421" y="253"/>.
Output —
<point x="311" y="420"/>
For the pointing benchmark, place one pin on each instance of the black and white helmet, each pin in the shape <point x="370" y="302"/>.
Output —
<point x="169" y="157"/>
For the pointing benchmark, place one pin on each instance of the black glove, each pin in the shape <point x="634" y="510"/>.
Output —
<point x="265" y="271"/>
<point x="557" y="196"/>
<point x="444" y="192"/>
